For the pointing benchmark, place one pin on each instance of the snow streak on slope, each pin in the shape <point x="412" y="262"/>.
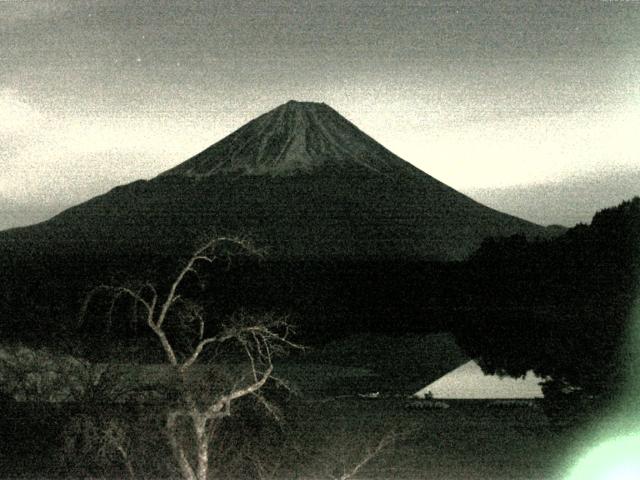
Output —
<point x="293" y="138"/>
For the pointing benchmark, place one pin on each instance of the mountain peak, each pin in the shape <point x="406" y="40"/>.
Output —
<point x="295" y="137"/>
<point x="293" y="102"/>
<point x="297" y="104"/>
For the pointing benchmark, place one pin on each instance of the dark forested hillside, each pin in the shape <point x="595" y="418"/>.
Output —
<point x="561" y="307"/>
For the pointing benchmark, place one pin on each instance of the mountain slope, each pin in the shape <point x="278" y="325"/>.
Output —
<point x="301" y="180"/>
<point x="293" y="138"/>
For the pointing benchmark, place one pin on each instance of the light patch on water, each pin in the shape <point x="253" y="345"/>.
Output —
<point x="469" y="382"/>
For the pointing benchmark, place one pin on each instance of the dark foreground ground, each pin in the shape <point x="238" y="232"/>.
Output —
<point x="468" y="440"/>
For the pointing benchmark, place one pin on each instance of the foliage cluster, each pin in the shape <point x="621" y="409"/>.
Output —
<point x="560" y="307"/>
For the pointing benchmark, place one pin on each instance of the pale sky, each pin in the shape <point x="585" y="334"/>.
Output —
<point x="530" y="107"/>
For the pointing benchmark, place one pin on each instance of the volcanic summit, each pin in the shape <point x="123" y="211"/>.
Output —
<point x="301" y="180"/>
<point x="294" y="137"/>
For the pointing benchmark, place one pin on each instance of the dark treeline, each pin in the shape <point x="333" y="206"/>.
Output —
<point x="43" y="294"/>
<point x="561" y="307"/>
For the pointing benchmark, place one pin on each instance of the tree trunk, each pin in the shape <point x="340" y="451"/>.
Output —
<point x="200" y="425"/>
<point x="183" y="461"/>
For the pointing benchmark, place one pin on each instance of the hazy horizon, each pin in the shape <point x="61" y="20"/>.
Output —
<point x="530" y="108"/>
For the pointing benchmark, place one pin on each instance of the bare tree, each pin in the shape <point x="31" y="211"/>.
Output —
<point x="387" y="440"/>
<point x="88" y="438"/>
<point x="342" y="454"/>
<point x="260" y="338"/>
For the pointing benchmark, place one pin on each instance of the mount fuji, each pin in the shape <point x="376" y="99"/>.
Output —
<point x="301" y="180"/>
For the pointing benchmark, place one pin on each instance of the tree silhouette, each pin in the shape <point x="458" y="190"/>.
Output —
<point x="559" y="307"/>
<point x="179" y="324"/>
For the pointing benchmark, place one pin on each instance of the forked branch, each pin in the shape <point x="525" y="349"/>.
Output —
<point x="261" y="337"/>
<point x="385" y="442"/>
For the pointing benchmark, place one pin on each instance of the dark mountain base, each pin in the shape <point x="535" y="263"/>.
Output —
<point x="325" y="299"/>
